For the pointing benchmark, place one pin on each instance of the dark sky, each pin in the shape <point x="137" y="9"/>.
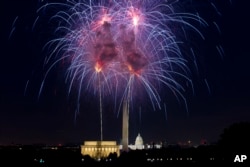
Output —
<point x="50" y="119"/>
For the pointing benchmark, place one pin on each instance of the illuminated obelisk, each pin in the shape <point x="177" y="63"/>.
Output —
<point x="125" y="123"/>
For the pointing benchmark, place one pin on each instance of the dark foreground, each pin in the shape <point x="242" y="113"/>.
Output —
<point x="201" y="156"/>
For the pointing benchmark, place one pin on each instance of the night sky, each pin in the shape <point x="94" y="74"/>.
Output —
<point x="51" y="119"/>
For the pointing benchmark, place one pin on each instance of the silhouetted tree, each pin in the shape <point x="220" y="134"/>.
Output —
<point x="236" y="137"/>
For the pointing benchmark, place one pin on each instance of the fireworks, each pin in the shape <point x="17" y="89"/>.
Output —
<point x="122" y="49"/>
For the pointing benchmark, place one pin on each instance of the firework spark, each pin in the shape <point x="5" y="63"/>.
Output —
<point x="122" y="49"/>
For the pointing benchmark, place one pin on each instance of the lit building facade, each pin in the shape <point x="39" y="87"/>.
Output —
<point x="139" y="142"/>
<point x="99" y="149"/>
<point x="137" y="146"/>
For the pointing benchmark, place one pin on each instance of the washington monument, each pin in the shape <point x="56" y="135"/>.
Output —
<point x="125" y="124"/>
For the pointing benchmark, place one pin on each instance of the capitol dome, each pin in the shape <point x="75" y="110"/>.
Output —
<point x="139" y="142"/>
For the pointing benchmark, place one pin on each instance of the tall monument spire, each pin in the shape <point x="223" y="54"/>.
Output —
<point x="125" y="123"/>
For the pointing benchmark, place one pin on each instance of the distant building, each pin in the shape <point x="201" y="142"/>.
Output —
<point x="138" y="144"/>
<point x="99" y="149"/>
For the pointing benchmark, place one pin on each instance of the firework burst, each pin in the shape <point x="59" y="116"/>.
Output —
<point x="122" y="49"/>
